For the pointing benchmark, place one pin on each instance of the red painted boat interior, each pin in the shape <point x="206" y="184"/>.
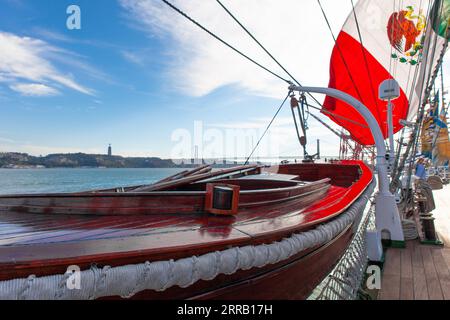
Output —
<point x="47" y="243"/>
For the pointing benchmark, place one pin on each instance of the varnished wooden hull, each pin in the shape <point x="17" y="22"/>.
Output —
<point x="46" y="243"/>
<point x="293" y="279"/>
<point x="162" y="202"/>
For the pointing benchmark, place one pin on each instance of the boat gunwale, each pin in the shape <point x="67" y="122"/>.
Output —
<point x="89" y="194"/>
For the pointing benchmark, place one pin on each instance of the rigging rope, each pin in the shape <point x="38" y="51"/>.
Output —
<point x="302" y="117"/>
<point x="397" y="163"/>
<point x="340" y="52"/>
<point x="392" y="48"/>
<point x="365" y="61"/>
<point x="414" y="140"/>
<point x="339" y="116"/>
<point x="302" y="120"/>
<point x="267" y="129"/>
<point x="223" y="41"/>
<point x="179" y="11"/>
<point x="431" y="78"/>
<point x="256" y="40"/>
<point x="266" y="51"/>
<point x="293" y="78"/>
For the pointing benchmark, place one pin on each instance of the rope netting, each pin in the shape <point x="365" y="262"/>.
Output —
<point x="344" y="281"/>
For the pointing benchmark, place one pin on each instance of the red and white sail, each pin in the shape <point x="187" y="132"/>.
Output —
<point x="381" y="39"/>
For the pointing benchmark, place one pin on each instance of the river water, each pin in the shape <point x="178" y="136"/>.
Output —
<point x="14" y="181"/>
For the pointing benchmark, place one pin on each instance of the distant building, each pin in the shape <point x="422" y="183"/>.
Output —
<point x="109" y="151"/>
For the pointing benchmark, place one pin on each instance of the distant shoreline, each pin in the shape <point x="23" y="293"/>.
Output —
<point x="23" y="161"/>
<point x="15" y="161"/>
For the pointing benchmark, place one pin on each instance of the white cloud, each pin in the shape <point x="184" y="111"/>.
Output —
<point x="132" y="57"/>
<point x="3" y="78"/>
<point x="24" y="58"/>
<point x="52" y="35"/>
<point x="34" y="89"/>
<point x="294" y="31"/>
<point x="6" y="140"/>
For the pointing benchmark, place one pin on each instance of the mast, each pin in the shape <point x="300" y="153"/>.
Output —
<point x="388" y="91"/>
<point x="411" y="148"/>
<point x="390" y="133"/>
<point x="437" y="128"/>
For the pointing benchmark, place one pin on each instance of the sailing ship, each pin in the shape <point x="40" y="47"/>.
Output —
<point x="249" y="232"/>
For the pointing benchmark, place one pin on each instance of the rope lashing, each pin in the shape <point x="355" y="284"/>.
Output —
<point x="267" y="128"/>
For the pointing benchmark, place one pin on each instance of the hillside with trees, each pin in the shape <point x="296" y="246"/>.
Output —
<point x="79" y="160"/>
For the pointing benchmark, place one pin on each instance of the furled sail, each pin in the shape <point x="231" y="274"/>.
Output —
<point x="384" y="39"/>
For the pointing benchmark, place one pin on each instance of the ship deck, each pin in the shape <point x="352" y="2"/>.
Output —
<point x="421" y="272"/>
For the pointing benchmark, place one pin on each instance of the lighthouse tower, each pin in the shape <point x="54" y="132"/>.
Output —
<point x="109" y="150"/>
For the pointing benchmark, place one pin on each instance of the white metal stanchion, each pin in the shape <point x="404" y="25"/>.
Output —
<point x="389" y="90"/>
<point x="386" y="211"/>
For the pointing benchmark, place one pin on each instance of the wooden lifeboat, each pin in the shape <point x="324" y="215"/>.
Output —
<point x="190" y="214"/>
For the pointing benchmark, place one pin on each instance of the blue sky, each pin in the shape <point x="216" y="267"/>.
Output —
<point x="130" y="102"/>
<point x="140" y="77"/>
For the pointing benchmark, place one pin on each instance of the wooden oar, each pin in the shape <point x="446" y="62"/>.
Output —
<point x="231" y="175"/>
<point x="204" y="170"/>
<point x="175" y="177"/>
<point x="172" y="177"/>
<point x="199" y="170"/>
<point x="194" y="178"/>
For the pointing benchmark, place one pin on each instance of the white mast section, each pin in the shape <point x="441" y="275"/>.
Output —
<point x="388" y="91"/>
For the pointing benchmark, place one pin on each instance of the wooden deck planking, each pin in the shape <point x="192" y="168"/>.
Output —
<point x="391" y="287"/>
<point x="406" y="264"/>
<point x="423" y="270"/>
<point x="393" y="260"/>
<point x="391" y="276"/>
<point x="417" y="272"/>
<point x="406" y="288"/>
<point x="442" y="271"/>
<point x="433" y="284"/>
<point x="419" y="280"/>
<point x="446" y="256"/>
<point x="406" y="276"/>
